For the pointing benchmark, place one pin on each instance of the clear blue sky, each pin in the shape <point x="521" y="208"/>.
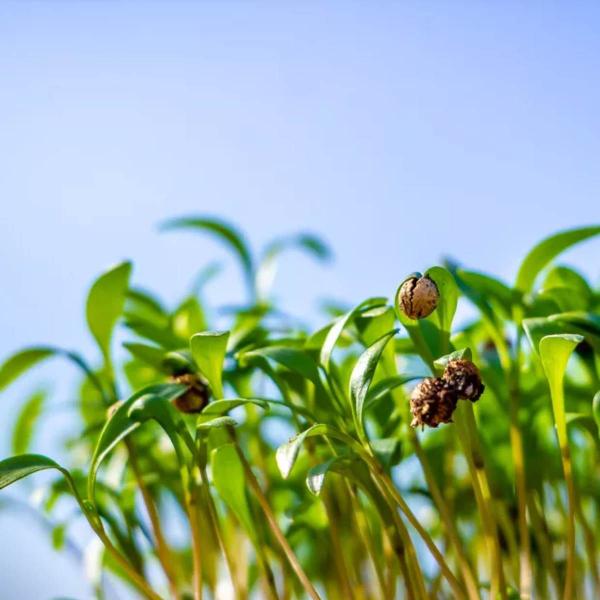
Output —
<point x="399" y="131"/>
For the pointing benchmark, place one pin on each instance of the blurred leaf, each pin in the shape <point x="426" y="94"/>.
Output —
<point x="295" y="359"/>
<point x="216" y="422"/>
<point x="596" y="409"/>
<point x="157" y="407"/>
<point x="340" y="324"/>
<point x="142" y="304"/>
<point x="188" y="319"/>
<point x="225" y="232"/>
<point x="462" y="354"/>
<point x="385" y="386"/>
<point x="555" y="351"/>
<point x="546" y="250"/>
<point x="229" y="479"/>
<point x="105" y="303"/>
<point x="219" y="407"/>
<point x="150" y="355"/>
<point x="315" y="478"/>
<point x="120" y="425"/>
<point x="26" y="422"/>
<point x="362" y="375"/>
<point x="267" y="268"/>
<point x="287" y="453"/>
<point x="18" y="363"/>
<point x="208" y="350"/>
<point x="388" y="451"/>
<point x="58" y="536"/>
<point x="15" y="468"/>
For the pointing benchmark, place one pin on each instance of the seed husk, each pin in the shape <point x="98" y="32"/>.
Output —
<point x="463" y="376"/>
<point x="195" y="398"/>
<point x="432" y="402"/>
<point x="418" y="297"/>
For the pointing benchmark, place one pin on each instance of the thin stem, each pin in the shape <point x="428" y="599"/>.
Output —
<point x="383" y="479"/>
<point x="465" y="423"/>
<point x="162" y="549"/>
<point x="264" y="504"/>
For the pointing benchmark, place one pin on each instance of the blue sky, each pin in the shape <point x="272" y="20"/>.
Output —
<point x="401" y="132"/>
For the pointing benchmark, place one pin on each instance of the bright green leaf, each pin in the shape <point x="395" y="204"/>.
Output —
<point x="229" y="479"/>
<point x="208" y="349"/>
<point x="546" y="251"/>
<point x="15" y="468"/>
<point x="287" y="453"/>
<point x="18" y="363"/>
<point x="362" y="375"/>
<point x="105" y="304"/>
<point x="555" y="351"/>
<point x="340" y="324"/>
<point x="26" y="421"/>
<point x="225" y="232"/>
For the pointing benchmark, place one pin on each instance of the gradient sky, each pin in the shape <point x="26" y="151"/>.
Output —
<point x="401" y="132"/>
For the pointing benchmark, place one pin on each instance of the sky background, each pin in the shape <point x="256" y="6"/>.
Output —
<point x="401" y="132"/>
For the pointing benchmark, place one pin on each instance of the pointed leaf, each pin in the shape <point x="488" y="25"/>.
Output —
<point x="221" y="230"/>
<point x="363" y="373"/>
<point x="220" y="407"/>
<point x="15" y="468"/>
<point x="208" y="349"/>
<point x="287" y="453"/>
<point x="105" y="304"/>
<point x="547" y="250"/>
<point x="267" y="268"/>
<point x="120" y="425"/>
<point x="216" y="422"/>
<point x="294" y="359"/>
<point x="340" y="324"/>
<point x="18" y="363"/>
<point x="229" y="479"/>
<point x="26" y="422"/>
<point x="555" y="351"/>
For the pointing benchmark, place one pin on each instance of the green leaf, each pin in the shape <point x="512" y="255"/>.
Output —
<point x="442" y="361"/>
<point x="362" y="375"/>
<point x="448" y="301"/>
<point x="555" y="351"/>
<point x="385" y="386"/>
<point x="157" y="407"/>
<point x="208" y="350"/>
<point x="315" y="478"/>
<point x="120" y="425"/>
<point x="220" y="407"/>
<point x="267" y="268"/>
<point x="19" y="363"/>
<point x="547" y="250"/>
<point x="340" y="324"/>
<point x="26" y="422"/>
<point x="596" y="409"/>
<point x="150" y="355"/>
<point x="224" y="232"/>
<point x="216" y="422"/>
<point x="287" y="453"/>
<point x="15" y="468"/>
<point x="293" y="359"/>
<point x="188" y="319"/>
<point x="229" y="480"/>
<point x="105" y="303"/>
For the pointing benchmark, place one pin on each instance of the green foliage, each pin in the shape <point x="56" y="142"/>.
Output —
<point x="186" y="435"/>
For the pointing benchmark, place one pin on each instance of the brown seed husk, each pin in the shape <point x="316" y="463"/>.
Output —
<point x="463" y="376"/>
<point x="418" y="297"/>
<point x="432" y="402"/>
<point x="195" y="398"/>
